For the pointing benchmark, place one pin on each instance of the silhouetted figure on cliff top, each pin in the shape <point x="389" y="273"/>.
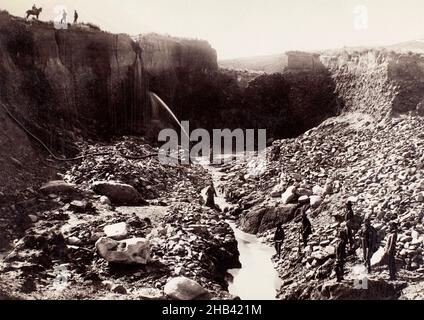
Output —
<point x="64" y="15"/>
<point x="76" y="17"/>
<point x="34" y="12"/>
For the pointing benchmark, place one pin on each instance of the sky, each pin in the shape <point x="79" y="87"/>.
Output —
<point x="242" y="28"/>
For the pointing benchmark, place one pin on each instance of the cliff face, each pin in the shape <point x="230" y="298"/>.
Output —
<point x="78" y="80"/>
<point x="78" y="83"/>
<point x="168" y="54"/>
<point x="90" y="81"/>
<point x="378" y="82"/>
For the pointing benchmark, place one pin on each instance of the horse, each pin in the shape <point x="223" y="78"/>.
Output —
<point x="34" y="12"/>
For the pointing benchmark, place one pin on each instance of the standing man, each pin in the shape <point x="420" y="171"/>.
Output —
<point x="349" y="215"/>
<point x="210" y="197"/>
<point x="306" y="229"/>
<point x="341" y="254"/>
<point x="76" y="17"/>
<point x="64" y="15"/>
<point x="279" y="239"/>
<point x="369" y="242"/>
<point x="391" y="250"/>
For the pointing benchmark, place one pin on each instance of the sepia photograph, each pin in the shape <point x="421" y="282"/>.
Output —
<point x="226" y="153"/>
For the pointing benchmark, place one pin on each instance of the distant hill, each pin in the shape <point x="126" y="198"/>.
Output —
<point x="277" y="62"/>
<point x="269" y="64"/>
<point x="414" y="46"/>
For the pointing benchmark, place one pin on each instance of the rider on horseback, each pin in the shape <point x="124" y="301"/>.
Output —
<point x="34" y="12"/>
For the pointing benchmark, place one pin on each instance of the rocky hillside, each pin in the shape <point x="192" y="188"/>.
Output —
<point x="119" y="226"/>
<point x="378" y="165"/>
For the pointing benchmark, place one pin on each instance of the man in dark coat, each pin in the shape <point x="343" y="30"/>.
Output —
<point x="349" y="215"/>
<point x="369" y="242"/>
<point x="341" y="254"/>
<point x="391" y="251"/>
<point x="306" y="229"/>
<point x="210" y="197"/>
<point x="279" y="239"/>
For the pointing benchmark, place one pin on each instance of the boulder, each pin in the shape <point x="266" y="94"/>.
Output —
<point x="288" y="195"/>
<point x="303" y="199"/>
<point x="149" y="294"/>
<point x="379" y="257"/>
<point x="266" y="218"/>
<point x="251" y="221"/>
<point x="58" y="187"/>
<point x="80" y="206"/>
<point x="315" y="201"/>
<point x="130" y="251"/>
<point x="117" y="231"/>
<point x="277" y="191"/>
<point x="119" y="193"/>
<point x="303" y="192"/>
<point x="318" y="191"/>
<point x="119" y="289"/>
<point x="182" y="288"/>
<point x="275" y="215"/>
<point x="378" y="289"/>
<point x="105" y="200"/>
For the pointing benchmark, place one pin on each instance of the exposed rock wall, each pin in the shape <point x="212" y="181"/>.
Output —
<point x="379" y="83"/>
<point x="78" y="83"/>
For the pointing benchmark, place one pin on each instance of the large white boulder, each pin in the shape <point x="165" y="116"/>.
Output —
<point x="288" y="195"/>
<point x="130" y="251"/>
<point x="117" y="231"/>
<point x="318" y="191"/>
<point x="315" y="201"/>
<point x="118" y="193"/>
<point x="277" y="191"/>
<point x="182" y="288"/>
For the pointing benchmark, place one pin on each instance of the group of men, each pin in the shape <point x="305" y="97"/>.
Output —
<point x="64" y="15"/>
<point x="346" y="236"/>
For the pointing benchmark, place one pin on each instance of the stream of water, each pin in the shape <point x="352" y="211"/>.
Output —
<point x="257" y="279"/>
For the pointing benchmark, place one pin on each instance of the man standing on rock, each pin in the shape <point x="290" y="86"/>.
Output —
<point x="279" y="239"/>
<point x="369" y="242"/>
<point x="210" y="197"/>
<point x="341" y="254"/>
<point x="391" y="251"/>
<point x="306" y="229"/>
